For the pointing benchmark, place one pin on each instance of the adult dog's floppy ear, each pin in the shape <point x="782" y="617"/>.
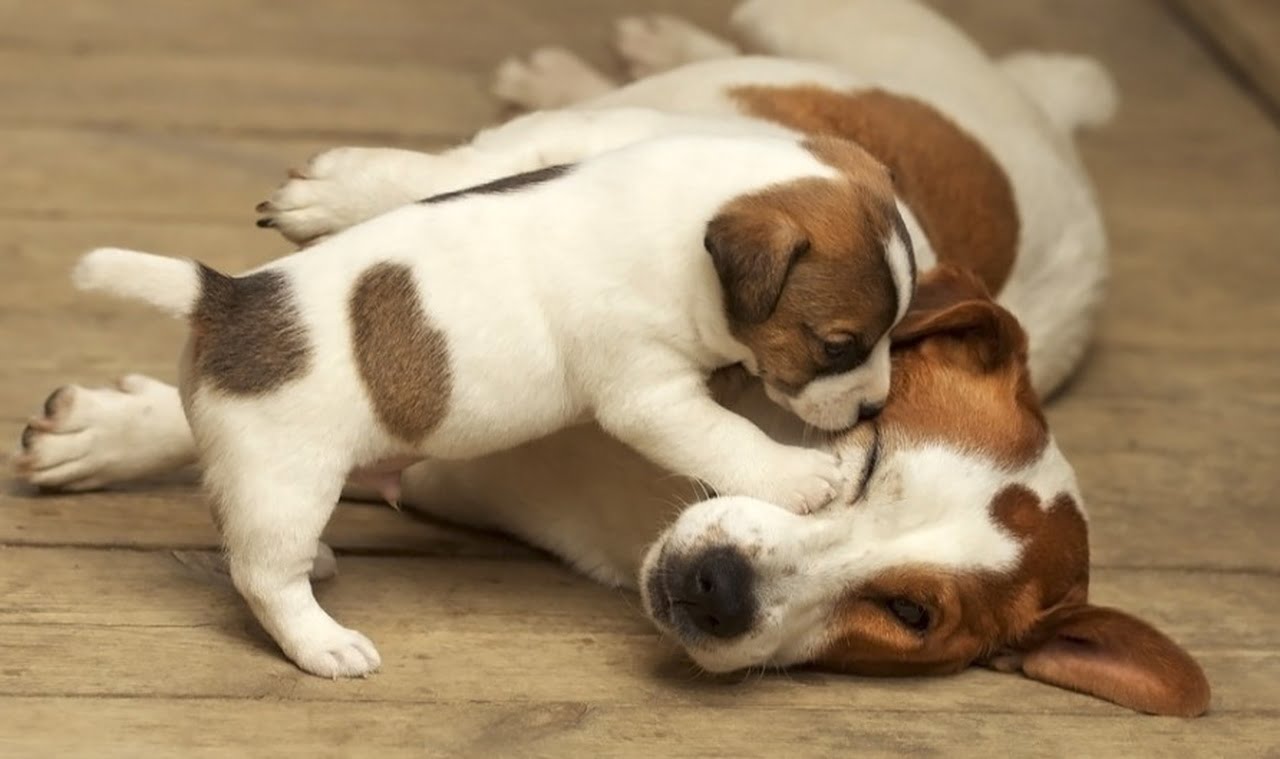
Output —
<point x="1112" y="655"/>
<point x="954" y="302"/>
<point x="753" y="251"/>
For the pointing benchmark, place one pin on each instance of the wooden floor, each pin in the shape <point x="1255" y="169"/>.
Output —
<point x="160" y="124"/>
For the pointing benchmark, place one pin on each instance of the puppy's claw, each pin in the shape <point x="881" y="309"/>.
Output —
<point x="265" y="223"/>
<point x="59" y="399"/>
<point x="263" y="207"/>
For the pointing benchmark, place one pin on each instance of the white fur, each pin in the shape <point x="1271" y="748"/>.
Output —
<point x="585" y="496"/>
<point x="613" y="311"/>
<point x="169" y="284"/>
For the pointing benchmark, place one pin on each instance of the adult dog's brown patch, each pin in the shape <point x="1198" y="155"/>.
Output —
<point x="246" y="335"/>
<point x="960" y="373"/>
<point x="959" y="194"/>
<point x="403" y="360"/>
<point x="804" y="261"/>
<point x="505" y="184"/>
<point x="971" y="615"/>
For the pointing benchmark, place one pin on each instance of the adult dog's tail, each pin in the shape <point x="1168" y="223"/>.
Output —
<point x="1074" y="91"/>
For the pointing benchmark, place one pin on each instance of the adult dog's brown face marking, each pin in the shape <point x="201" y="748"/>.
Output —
<point x="402" y="359"/>
<point x="803" y="265"/>
<point x="505" y="184"/>
<point x="960" y="373"/>
<point x="246" y="336"/>
<point x="959" y="194"/>
<point x="961" y="379"/>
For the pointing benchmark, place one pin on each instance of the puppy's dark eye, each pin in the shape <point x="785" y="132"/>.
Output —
<point x="843" y="348"/>
<point x="909" y="613"/>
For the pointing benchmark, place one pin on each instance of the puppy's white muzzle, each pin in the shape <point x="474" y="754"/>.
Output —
<point x="837" y="402"/>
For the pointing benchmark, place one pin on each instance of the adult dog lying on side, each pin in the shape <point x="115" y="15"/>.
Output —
<point x="966" y="542"/>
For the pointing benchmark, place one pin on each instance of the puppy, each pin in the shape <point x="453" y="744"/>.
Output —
<point x="477" y="320"/>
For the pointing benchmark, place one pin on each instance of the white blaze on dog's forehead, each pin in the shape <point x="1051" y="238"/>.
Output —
<point x="1051" y="475"/>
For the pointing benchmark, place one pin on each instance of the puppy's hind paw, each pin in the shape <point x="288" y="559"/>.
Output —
<point x="86" y="438"/>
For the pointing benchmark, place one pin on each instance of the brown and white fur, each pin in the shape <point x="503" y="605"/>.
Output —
<point x="475" y="321"/>
<point x="967" y="542"/>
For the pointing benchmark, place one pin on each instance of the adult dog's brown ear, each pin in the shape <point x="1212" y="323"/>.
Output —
<point x="1112" y="655"/>
<point x="954" y="302"/>
<point x="753" y="250"/>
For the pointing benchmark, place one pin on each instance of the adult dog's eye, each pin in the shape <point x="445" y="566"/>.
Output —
<point x="909" y="613"/>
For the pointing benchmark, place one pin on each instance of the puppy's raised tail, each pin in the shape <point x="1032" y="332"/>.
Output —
<point x="172" y="285"/>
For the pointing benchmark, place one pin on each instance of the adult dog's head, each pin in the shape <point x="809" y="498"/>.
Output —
<point x="963" y="543"/>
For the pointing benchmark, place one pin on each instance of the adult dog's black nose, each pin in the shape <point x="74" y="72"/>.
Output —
<point x="717" y="593"/>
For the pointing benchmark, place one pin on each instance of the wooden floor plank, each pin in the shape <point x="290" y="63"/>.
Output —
<point x="174" y="515"/>
<point x="465" y="630"/>
<point x="130" y="588"/>
<point x="1247" y="32"/>
<point x="340" y="102"/>
<point x="57" y="172"/>
<point x="475" y="35"/>
<point x="520" y="665"/>
<point x="134" y="727"/>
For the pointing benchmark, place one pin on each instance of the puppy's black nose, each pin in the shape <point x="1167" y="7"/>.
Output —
<point x="869" y="410"/>
<point x="717" y="593"/>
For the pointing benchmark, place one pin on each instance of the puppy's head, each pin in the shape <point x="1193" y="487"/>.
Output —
<point x="815" y="274"/>
<point x="964" y="541"/>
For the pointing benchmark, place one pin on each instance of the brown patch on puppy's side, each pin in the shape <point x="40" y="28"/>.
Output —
<point x="505" y="184"/>
<point x="403" y="360"/>
<point x="246" y="336"/>
<point x="959" y="194"/>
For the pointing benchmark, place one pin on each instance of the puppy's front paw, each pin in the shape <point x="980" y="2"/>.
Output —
<point x="340" y="188"/>
<point x="805" y="481"/>
<point x="338" y="652"/>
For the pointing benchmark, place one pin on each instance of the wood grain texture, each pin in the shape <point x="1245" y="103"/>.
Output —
<point x="1246" y="32"/>
<point x="131" y="727"/>
<point x="157" y="125"/>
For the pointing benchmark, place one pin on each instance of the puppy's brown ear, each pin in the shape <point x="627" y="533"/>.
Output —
<point x="753" y="251"/>
<point x="1112" y="655"/>
<point x="954" y="303"/>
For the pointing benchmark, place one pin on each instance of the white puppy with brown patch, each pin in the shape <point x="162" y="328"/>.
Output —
<point x="475" y="321"/>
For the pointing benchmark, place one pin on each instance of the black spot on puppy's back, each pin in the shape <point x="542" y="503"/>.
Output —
<point x="247" y="335"/>
<point x="505" y="184"/>
<point x="402" y="358"/>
